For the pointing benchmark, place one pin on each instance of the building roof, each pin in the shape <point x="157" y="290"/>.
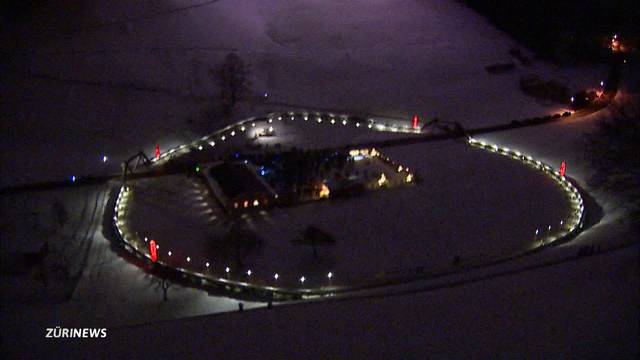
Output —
<point x="236" y="179"/>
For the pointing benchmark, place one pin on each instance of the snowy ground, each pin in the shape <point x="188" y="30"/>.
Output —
<point x="101" y="287"/>
<point x="125" y="81"/>
<point x="123" y="87"/>
<point x="456" y="210"/>
<point x="583" y="308"/>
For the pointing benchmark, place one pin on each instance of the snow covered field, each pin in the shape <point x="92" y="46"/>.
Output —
<point x="127" y="86"/>
<point x="133" y="74"/>
<point x="457" y="210"/>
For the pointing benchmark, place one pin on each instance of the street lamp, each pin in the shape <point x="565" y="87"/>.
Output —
<point x="302" y="279"/>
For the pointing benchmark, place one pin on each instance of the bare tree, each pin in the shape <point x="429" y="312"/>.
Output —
<point x="238" y="243"/>
<point x="313" y="237"/>
<point x="232" y="77"/>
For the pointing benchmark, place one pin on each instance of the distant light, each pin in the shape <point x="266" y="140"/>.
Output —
<point x="276" y="276"/>
<point x="344" y="122"/>
<point x="197" y="168"/>
<point x="73" y="179"/>
<point x="242" y="128"/>
<point x="270" y="120"/>
<point x="302" y="279"/>
<point x="409" y="178"/>
<point x="572" y="99"/>
<point x="153" y="250"/>
<point x="188" y="259"/>
<point x="253" y="124"/>
<point x="199" y="147"/>
<point x="414" y="121"/>
<point x="227" y="269"/>
<point x="249" y="272"/>
<point x="212" y="143"/>
<point x="369" y="126"/>
<point x="601" y="83"/>
<point x="270" y="128"/>
<point x="146" y="239"/>
<point x="382" y="180"/>
<point x="207" y="264"/>
<point x="104" y="158"/>
<point x="169" y="253"/>
<point x="324" y="192"/>
<point x="223" y="137"/>
<point x="330" y="275"/>
<point x="256" y="202"/>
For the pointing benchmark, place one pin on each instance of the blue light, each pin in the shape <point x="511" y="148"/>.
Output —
<point x="237" y="155"/>
<point x="73" y="179"/>
<point x="262" y="172"/>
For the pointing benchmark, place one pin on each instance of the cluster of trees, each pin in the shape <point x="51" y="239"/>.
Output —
<point x="538" y="119"/>
<point x="296" y="168"/>
<point x="550" y="90"/>
<point x="613" y="153"/>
